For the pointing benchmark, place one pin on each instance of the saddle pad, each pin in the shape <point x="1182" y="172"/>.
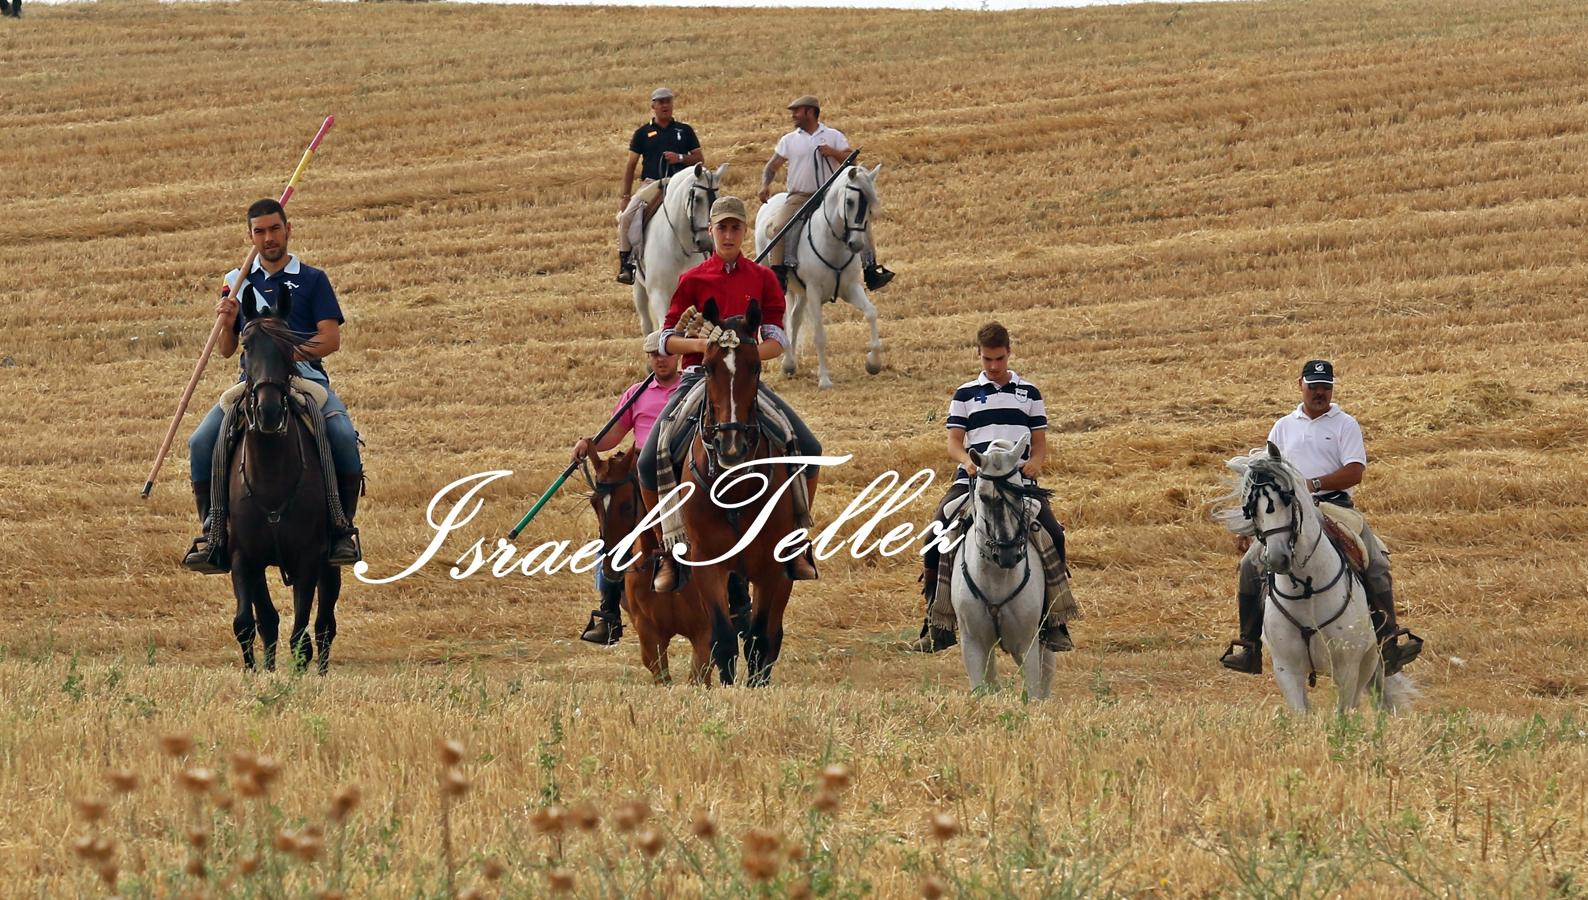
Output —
<point x="686" y="420"/>
<point x="1344" y="528"/>
<point x="1057" y="596"/>
<point x="311" y="389"/>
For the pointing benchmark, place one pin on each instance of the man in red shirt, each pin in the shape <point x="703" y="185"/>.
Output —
<point x="733" y="280"/>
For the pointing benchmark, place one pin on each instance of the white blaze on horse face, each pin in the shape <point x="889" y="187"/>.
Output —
<point x="733" y="371"/>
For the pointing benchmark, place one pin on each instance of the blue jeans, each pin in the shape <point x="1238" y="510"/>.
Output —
<point x="339" y="433"/>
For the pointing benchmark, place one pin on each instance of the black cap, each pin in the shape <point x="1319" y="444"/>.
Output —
<point x="1317" y="371"/>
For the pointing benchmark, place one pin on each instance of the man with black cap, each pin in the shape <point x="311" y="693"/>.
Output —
<point x="606" y="624"/>
<point x="660" y="147"/>
<point x="1325" y="444"/>
<point x="813" y="152"/>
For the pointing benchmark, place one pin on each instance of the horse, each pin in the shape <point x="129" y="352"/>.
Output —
<point x="730" y="433"/>
<point x="1315" y="616"/>
<point x="677" y="237"/>
<point x="277" y="513"/>
<point x="997" y="582"/>
<point x="829" y="264"/>
<point x="658" y="618"/>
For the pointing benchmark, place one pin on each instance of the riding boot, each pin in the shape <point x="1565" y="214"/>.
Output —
<point x="625" y="267"/>
<point x="606" y="623"/>
<point x="781" y="271"/>
<point x="201" y="557"/>
<point x="665" y="581"/>
<point x="1387" y="630"/>
<point x="931" y="639"/>
<point x="1246" y="654"/>
<point x="739" y="604"/>
<point x="803" y="567"/>
<point x="345" y="549"/>
<point x="877" y="276"/>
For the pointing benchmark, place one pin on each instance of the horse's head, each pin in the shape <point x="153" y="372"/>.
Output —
<point x="269" y="347"/>
<point x="859" y="199"/>
<point x="616" y="499"/>
<point x="702" y="184"/>
<point x="1001" y="491"/>
<point x="733" y="375"/>
<point x="1270" y="491"/>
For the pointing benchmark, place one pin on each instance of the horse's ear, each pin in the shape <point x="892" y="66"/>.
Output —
<point x="874" y="170"/>
<point x="284" y="305"/>
<point x="1019" y="449"/>
<point x="700" y="170"/>
<point x="752" y="317"/>
<point x="975" y="457"/>
<point x="720" y="169"/>
<point x="710" y="312"/>
<point x="1273" y="451"/>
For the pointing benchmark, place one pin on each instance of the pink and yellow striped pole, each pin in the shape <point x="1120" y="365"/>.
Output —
<point x="221" y="324"/>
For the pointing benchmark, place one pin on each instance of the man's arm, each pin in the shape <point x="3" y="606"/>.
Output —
<point x="769" y="172"/>
<point x="227" y="309"/>
<point x="1343" y="478"/>
<point x="1039" y="453"/>
<point x="957" y="452"/>
<point x="327" y="340"/>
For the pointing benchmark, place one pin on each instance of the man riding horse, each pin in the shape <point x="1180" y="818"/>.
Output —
<point x="733" y="280"/>
<point x="313" y="310"/>
<point x="998" y="404"/>
<point x="606" y="624"/>
<point x="1324" y="443"/>
<point x="812" y="151"/>
<point x="660" y="147"/>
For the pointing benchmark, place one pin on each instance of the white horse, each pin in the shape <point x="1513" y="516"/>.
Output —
<point x="997" y="582"/>
<point x="829" y="256"/>
<point x="1315" y="617"/>
<point x="677" y="237"/>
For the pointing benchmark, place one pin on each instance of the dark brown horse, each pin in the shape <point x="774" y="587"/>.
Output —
<point x="730" y="433"/>
<point x="657" y="617"/>
<point x="276" y="503"/>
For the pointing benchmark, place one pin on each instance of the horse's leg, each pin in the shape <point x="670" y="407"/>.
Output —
<point x="243" y="625"/>
<point x="650" y="655"/>
<point x="700" y="658"/>
<point x="269" y="621"/>
<point x="325" y="615"/>
<point x="304" y="581"/>
<point x="1289" y="654"/>
<point x="713" y="589"/>
<point x="764" y="641"/>
<point x="1037" y="668"/>
<point x="855" y="293"/>
<point x="819" y="334"/>
<point x="642" y="307"/>
<point x="791" y="318"/>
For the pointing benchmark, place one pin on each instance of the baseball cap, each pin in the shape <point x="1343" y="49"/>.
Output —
<point x="661" y="93"/>
<point x="728" y="208"/>
<point x="1317" y="371"/>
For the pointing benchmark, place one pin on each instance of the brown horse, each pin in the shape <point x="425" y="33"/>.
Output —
<point x="657" y="617"/>
<point x="729" y="433"/>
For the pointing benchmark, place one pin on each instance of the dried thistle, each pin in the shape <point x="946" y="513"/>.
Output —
<point x="492" y="869"/>
<point x="307" y="847"/>
<point x="248" y="786"/>
<point x="560" y="880"/>
<point x="345" y="801"/>
<point x="198" y="838"/>
<point x="759" y="866"/>
<point x="932" y="887"/>
<point x="835" y="777"/>
<point x="826" y="801"/>
<point x="795" y="853"/>
<point x="454" y="783"/>
<point x="760" y="840"/>
<point x="249" y="864"/>
<point x="108" y="873"/>
<point x="704" y="827"/>
<point x="174" y="745"/>
<point x="450" y="752"/>
<point x="222" y="801"/>
<point x="195" y="867"/>
<point x="266" y="768"/>
<point x="197" y="781"/>
<point x="799" y="890"/>
<point x="123" y="781"/>
<point x="91" y="810"/>
<point x="631" y="815"/>
<point x="243" y="762"/>
<point x="84" y="846"/>
<point x="285" y="840"/>
<point x="944" y="826"/>
<point x="549" y="819"/>
<point x="584" y="817"/>
<point x="649" y="841"/>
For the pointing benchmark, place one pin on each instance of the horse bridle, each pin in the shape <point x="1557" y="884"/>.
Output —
<point x="700" y="233"/>
<point x="861" y="223"/>
<point x="1010" y="495"/>
<point x="710" y="431"/>
<point x="601" y="497"/>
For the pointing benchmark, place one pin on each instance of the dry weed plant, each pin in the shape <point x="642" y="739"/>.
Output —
<point x="1170" y="207"/>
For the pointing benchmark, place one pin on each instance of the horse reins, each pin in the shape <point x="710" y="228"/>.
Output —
<point x="861" y="223"/>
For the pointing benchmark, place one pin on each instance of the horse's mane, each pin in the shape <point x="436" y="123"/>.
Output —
<point x="1230" y="508"/>
<point x="285" y="339"/>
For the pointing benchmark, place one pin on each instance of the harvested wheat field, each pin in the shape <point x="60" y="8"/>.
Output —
<point x="1170" y="207"/>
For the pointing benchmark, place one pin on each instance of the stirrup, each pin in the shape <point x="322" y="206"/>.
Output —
<point x="1251" y="664"/>
<point x="1396" y="656"/>
<point x="345" y="550"/>
<point x="876" y="277"/>
<point x="614" y="630"/>
<point x="204" y="559"/>
<point x="625" y="275"/>
<point x="935" y="640"/>
<point x="1056" y="637"/>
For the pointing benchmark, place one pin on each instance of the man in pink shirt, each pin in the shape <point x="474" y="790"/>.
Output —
<point x="606" y="624"/>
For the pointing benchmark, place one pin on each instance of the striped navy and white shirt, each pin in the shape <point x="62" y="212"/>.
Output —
<point x="987" y="412"/>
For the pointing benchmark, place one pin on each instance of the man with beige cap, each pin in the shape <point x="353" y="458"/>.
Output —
<point x="606" y="624"/>
<point x="660" y="147"/>
<point x="813" y="152"/>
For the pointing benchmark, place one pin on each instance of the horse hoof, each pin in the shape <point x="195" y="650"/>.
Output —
<point x="790" y="371"/>
<point x="872" y="367"/>
<point x="825" y="384"/>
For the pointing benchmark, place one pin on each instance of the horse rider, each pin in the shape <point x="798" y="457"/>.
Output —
<point x="813" y="152"/>
<point x="997" y="404"/>
<point x="662" y="146"/>
<point x="314" y="310"/>
<point x="606" y="624"/>
<point x="1324" y="443"/>
<point x="733" y="280"/>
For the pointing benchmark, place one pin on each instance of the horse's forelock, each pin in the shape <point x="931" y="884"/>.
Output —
<point x="282" y="338"/>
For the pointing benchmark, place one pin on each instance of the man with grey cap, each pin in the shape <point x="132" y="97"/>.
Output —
<point x="813" y="151"/>
<point x="606" y="624"/>
<point x="1325" y="444"/>
<point x="660" y="147"/>
<point x="733" y="280"/>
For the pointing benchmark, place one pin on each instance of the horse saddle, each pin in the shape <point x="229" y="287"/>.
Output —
<point x="686" y="421"/>
<point x="308" y="391"/>
<point x="1344" y="527"/>
<point x="651" y="195"/>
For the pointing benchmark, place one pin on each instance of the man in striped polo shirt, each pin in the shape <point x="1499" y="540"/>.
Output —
<point x="998" y="404"/>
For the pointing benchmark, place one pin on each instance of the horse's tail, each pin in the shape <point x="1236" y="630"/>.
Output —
<point x="1400" y="691"/>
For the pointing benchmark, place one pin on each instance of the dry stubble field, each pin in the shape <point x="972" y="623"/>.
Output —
<point x="1171" y="207"/>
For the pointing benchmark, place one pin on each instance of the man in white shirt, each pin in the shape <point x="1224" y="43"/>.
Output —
<point x="813" y="152"/>
<point x="1325" y="444"/>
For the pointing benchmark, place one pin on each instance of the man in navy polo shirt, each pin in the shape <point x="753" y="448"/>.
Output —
<point x="1324" y="443"/>
<point x="998" y="404"/>
<point x="660" y="147"/>
<point x="314" y="310"/>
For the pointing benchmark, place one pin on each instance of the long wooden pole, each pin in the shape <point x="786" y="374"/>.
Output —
<point x="220" y="323"/>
